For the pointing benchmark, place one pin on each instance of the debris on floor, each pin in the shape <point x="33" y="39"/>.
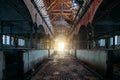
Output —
<point x="64" y="67"/>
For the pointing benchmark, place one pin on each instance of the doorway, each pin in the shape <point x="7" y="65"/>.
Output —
<point x="13" y="65"/>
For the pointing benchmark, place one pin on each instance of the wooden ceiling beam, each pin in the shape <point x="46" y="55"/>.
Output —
<point x="60" y="13"/>
<point x="68" y="5"/>
<point x="54" y="11"/>
<point x="54" y="18"/>
<point x="52" y="5"/>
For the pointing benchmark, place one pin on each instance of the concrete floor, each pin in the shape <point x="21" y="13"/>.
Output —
<point x="64" y="67"/>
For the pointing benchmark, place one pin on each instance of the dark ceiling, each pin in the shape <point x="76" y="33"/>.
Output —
<point x="107" y="18"/>
<point x="14" y="13"/>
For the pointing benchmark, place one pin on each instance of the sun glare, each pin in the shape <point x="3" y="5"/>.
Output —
<point x="61" y="46"/>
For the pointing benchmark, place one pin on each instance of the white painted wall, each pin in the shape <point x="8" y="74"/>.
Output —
<point x="51" y="52"/>
<point x="72" y="52"/>
<point x="33" y="57"/>
<point x="26" y="61"/>
<point x="1" y="65"/>
<point x="95" y="58"/>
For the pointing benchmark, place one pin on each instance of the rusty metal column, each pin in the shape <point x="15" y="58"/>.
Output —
<point x="1" y="34"/>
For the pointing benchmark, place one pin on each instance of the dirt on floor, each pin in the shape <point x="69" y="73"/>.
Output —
<point x="64" y="67"/>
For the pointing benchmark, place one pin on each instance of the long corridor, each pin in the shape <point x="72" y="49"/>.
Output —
<point x="65" y="67"/>
<point x="85" y="34"/>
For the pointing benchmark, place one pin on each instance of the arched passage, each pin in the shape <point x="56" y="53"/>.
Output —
<point x="83" y="37"/>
